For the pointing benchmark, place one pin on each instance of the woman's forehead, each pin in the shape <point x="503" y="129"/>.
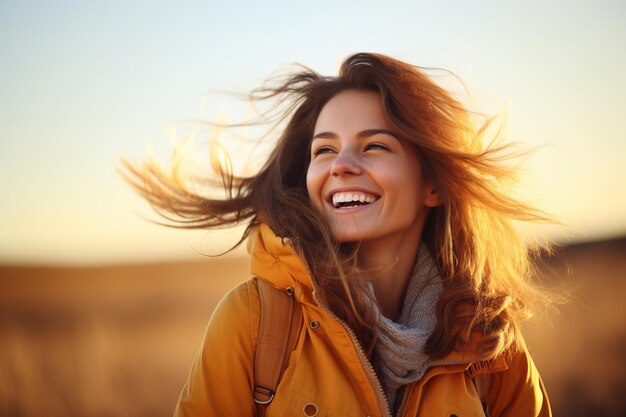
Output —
<point x="352" y="109"/>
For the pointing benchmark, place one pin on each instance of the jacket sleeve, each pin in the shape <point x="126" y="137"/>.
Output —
<point x="518" y="391"/>
<point x="221" y="377"/>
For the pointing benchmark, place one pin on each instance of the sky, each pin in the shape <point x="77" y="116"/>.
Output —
<point x="82" y="83"/>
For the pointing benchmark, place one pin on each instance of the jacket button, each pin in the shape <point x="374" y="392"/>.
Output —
<point x="310" y="410"/>
<point x="314" y="324"/>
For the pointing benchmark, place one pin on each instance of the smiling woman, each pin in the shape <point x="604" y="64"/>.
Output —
<point x="356" y="156"/>
<point x="380" y="213"/>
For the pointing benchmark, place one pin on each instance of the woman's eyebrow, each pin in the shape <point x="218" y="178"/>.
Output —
<point x="363" y="134"/>
<point x="371" y="132"/>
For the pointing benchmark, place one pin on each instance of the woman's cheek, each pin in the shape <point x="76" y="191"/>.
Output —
<point x="313" y="186"/>
<point x="315" y="182"/>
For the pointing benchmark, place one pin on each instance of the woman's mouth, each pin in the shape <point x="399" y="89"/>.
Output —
<point x="352" y="199"/>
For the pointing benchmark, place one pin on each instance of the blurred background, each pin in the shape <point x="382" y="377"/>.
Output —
<point x="101" y="311"/>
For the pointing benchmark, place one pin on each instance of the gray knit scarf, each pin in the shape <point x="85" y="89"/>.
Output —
<point x="400" y="347"/>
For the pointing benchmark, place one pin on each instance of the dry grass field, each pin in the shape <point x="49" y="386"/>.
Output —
<point x="581" y="352"/>
<point x="118" y="341"/>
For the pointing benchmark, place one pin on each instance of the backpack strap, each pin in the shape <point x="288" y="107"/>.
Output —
<point x="279" y="329"/>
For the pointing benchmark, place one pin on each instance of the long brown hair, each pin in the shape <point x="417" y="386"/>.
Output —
<point x="484" y="264"/>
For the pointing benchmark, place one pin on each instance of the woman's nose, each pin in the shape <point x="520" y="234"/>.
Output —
<point x="346" y="163"/>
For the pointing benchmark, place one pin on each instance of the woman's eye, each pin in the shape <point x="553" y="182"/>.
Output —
<point x="322" y="150"/>
<point x="376" y="146"/>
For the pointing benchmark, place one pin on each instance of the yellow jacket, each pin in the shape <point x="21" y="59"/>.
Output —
<point x="328" y="373"/>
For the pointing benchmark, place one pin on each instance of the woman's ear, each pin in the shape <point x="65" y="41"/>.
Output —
<point x="433" y="198"/>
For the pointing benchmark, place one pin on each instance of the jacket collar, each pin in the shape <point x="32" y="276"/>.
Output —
<point x="273" y="259"/>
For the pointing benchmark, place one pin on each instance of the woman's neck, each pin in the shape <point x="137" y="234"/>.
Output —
<point x="390" y="266"/>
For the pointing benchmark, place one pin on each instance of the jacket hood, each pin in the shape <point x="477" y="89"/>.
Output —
<point x="274" y="260"/>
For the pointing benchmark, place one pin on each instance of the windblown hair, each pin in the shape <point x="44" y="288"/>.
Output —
<point x="485" y="266"/>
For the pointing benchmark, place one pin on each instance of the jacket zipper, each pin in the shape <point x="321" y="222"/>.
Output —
<point x="405" y="394"/>
<point x="383" y="405"/>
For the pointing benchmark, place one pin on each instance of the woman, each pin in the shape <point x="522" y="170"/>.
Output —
<point x="381" y="208"/>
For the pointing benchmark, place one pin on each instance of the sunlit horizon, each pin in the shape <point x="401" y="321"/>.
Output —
<point x="84" y="84"/>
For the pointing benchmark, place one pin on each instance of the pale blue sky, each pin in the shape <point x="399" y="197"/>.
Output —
<point x="83" y="82"/>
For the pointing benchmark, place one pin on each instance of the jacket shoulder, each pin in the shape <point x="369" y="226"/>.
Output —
<point x="221" y="378"/>
<point x="237" y="314"/>
<point x="518" y="390"/>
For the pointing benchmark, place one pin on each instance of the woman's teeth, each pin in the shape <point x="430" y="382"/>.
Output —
<point x="354" y="199"/>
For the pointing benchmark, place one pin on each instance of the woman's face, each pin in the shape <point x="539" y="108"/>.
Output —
<point x="366" y="180"/>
